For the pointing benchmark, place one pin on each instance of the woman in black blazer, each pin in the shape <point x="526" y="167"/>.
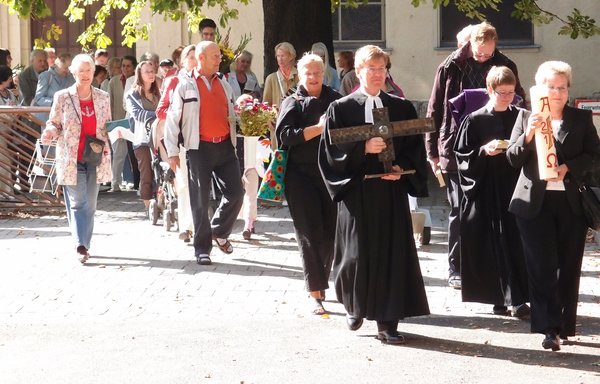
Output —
<point x="549" y="213"/>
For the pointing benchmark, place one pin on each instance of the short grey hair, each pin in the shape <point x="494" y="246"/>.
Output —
<point x="202" y="46"/>
<point x="37" y="52"/>
<point x="79" y="60"/>
<point x="550" y="68"/>
<point x="307" y="59"/>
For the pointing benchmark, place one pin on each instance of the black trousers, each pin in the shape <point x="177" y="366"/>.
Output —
<point x="455" y="195"/>
<point x="314" y="215"/>
<point x="218" y="159"/>
<point x="553" y="243"/>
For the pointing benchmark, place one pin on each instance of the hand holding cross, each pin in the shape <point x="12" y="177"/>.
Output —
<point x="386" y="130"/>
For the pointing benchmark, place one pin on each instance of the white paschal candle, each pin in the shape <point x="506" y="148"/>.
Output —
<point x="544" y="140"/>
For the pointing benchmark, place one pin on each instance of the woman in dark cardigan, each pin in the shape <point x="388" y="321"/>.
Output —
<point x="299" y="127"/>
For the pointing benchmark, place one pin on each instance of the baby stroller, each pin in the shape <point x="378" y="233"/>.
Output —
<point x="164" y="201"/>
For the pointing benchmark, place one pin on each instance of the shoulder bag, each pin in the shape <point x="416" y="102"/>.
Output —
<point x="93" y="147"/>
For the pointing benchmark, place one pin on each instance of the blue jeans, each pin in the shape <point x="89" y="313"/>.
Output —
<point x="80" y="200"/>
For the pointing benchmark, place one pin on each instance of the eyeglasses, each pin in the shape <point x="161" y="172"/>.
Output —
<point x="557" y="89"/>
<point x="375" y="71"/>
<point x="505" y="94"/>
<point x="476" y="53"/>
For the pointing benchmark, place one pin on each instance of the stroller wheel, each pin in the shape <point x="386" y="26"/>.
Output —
<point x="167" y="220"/>
<point x="153" y="212"/>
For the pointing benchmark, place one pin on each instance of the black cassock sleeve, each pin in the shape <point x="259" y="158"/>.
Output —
<point x="289" y="130"/>
<point x="471" y="158"/>
<point x="342" y="165"/>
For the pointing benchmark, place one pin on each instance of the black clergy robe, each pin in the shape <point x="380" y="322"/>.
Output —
<point x="492" y="262"/>
<point x="376" y="269"/>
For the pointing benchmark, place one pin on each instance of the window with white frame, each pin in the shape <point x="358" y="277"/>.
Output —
<point x="355" y="27"/>
<point x="511" y="32"/>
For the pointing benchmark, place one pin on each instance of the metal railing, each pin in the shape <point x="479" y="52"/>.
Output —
<point x="19" y="131"/>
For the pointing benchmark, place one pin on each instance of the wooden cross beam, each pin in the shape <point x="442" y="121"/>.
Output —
<point x="382" y="127"/>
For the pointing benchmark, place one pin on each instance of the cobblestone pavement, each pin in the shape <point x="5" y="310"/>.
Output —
<point x="142" y="311"/>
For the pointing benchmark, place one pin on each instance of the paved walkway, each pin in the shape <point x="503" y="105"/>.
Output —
<point x="142" y="311"/>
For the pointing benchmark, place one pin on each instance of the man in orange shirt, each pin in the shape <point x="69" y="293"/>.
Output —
<point x="202" y="112"/>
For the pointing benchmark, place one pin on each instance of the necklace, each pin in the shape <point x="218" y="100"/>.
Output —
<point x="89" y="95"/>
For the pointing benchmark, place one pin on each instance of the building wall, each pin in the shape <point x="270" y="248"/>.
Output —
<point x="414" y="40"/>
<point x="15" y="35"/>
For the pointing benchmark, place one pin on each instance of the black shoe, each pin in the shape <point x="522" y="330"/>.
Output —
<point x="501" y="310"/>
<point x="551" y="342"/>
<point x="390" y="337"/>
<point x="354" y="323"/>
<point x="522" y="312"/>
<point x="203" y="259"/>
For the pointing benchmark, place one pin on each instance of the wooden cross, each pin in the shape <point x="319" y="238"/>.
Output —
<point x="382" y="127"/>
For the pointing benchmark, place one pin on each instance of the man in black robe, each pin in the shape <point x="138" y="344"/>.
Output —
<point x="376" y="269"/>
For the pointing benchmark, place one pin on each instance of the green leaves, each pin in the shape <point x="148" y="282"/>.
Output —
<point x="578" y="24"/>
<point x="53" y="33"/>
<point x="36" y="9"/>
<point x="574" y="25"/>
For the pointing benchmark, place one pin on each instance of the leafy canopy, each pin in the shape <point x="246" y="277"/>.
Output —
<point x="574" y="25"/>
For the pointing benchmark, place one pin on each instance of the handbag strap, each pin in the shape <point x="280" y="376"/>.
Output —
<point x="75" y="108"/>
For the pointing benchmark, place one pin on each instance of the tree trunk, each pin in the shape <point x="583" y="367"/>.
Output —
<point x="300" y="23"/>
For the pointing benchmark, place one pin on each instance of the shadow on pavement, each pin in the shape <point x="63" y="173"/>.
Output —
<point x="190" y="266"/>
<point x="585" y="298"/>
<point x="434" y="281"/>
<point x="562" y="359"/>
<point x="270" y="264"/>
<point x="497" y="323"/>
<point x="586" y="325"/>
<point x="32" y="233"/>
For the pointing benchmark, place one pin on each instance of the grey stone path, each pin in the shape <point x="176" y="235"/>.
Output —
<point x="142" y="311"/>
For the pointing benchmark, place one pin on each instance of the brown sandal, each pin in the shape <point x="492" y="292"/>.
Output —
<point x="226" y="247"/>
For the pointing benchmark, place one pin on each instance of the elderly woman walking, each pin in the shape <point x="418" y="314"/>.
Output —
<point x="299" y="127"/>
<point x="549" y="212"/>
<point x="78" y="112"/>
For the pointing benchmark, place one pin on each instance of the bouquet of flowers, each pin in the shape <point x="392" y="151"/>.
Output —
<point x="254" y="117"/>
<point x="230" y="53"/>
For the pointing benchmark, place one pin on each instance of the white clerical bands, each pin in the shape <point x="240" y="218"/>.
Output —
<point x="372" y="102"/>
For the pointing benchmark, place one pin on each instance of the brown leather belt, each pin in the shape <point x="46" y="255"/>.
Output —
<point x="214" y="140"/>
